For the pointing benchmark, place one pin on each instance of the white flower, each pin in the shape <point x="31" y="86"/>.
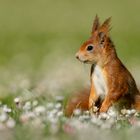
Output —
<point x="104" y="116"/>
<point x="84" y="117"/>
<point x="128" y="112"/>
<point x="27" y="106"/>
<point x="77" y="112"/>
<point x="127" y="115"/>
<point x="17" y="100"/>
<point x="54" y="111"/>
<point x="3" y="117"/>
<point x="50" y="105"/>
<point x="87" y="112"/>
<point x="30" y="114"/>
<point x="81" y="118"/>
<point x="59" y="98"/>
<point x="35" y="103"/>
<point x="94" y="119"/>
<point x="77" y="124"/>
<point x="24" y="118"/>
<point x="53" y="120"/>
<point x="60" y="113"/>
<point x="10" y="123"/>
<point x="58" y="106"/>
<point x="137" y="114"/>
<point x="95" y="109"/>
<point x="112" y="113"/>
<point x="124" y="111"/>
<point x="6" y="109"/>
<point x="40" y="110"/>
<point x="133" y="111"/>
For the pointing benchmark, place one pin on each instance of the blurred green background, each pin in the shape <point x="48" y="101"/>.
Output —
<point x="38" y="42"/>
<point x="39" y="39"/>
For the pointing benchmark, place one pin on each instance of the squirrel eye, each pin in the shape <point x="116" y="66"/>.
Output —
<point x="89" y="48"/>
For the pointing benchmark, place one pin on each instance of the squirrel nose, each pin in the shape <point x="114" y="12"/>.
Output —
<point x="77" y="56"/>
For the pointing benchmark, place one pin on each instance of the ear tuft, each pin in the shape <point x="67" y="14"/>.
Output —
<point x="106" y="25"/>
<point x="96" y="24"/>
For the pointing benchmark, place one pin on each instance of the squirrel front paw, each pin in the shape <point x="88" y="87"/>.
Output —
<point x="91" y="103"/>
<point x="92" y="107"/>
<point x="103" y="109"/>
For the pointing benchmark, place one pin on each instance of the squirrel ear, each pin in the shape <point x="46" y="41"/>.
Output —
<point x="102" y="36"/>
<point x="105" y="27"/>
<point x="96" y="24"/>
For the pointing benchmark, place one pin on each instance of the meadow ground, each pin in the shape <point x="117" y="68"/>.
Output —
<point x="38" y="69"/>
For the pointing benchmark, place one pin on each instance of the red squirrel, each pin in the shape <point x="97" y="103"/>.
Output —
<point x="111" y="82"/>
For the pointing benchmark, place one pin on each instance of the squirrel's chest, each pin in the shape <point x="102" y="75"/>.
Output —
<point x="99" y="81"/>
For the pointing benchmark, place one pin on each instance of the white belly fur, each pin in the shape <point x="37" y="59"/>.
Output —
<point x="99" y="82"/>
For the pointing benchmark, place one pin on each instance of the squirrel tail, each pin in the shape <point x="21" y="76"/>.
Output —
<point x="77" y="101"/>
<point x="137" y="101"/>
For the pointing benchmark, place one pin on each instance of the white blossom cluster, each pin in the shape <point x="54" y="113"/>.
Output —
<point x="6" y="121"/>
<point x="51" y="115"/>
<point x="109" y="120"/>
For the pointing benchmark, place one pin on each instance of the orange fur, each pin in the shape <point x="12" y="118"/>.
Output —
<point x="120" y="83"/>
<point x="77" y="101"/>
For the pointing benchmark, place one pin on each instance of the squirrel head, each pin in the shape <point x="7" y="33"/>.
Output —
<point x="97" y="46"/>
